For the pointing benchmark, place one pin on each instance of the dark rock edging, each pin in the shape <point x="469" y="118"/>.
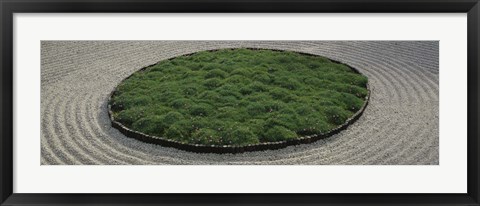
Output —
<point x="222" y="149"/>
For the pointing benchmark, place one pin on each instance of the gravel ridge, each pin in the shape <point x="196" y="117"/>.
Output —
<point x="399" y="126"/>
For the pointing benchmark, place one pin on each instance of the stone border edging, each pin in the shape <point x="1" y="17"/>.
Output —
<point x="223" y="149"/>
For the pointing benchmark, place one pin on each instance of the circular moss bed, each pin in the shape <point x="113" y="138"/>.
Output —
<point x="238" y="97"/>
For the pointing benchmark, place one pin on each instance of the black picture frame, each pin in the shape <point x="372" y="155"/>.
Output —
<point x="9" y="7"/>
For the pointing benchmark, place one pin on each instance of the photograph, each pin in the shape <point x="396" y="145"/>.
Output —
<point x="239" y="102"/>
<point x="265" y="102"/>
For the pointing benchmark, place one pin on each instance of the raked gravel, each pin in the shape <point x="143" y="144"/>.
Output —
<point x="399" y="126"/>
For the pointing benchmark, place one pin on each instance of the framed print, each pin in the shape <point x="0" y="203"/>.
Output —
<point x="239" y="102"/>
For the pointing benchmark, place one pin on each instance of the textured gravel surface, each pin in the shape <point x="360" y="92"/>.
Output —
<point x="399" y="126"/>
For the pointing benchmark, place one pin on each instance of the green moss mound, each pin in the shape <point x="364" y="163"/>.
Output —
<point x="239" y="97"/>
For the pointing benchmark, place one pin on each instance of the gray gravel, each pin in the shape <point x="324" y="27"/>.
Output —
<point x="399" y="126"/>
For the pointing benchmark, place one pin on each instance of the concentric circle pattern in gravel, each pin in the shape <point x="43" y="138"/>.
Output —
<point x="399" y="126"/>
